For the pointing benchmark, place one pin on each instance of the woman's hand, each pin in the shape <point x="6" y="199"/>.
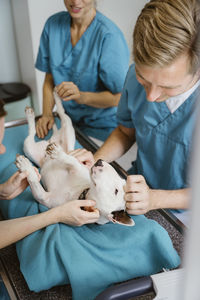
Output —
<point x="137" y="195"/>
<point x="72" y="213"/>
<point x="43" y="125"/>
<point x="67" y="90"/>
<point x="14" y="186"/>
<point x="84" y="157"/>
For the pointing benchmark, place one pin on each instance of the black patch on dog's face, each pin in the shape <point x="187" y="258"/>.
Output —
<point x="83" y="194"/>
<point x="99" y="163"/>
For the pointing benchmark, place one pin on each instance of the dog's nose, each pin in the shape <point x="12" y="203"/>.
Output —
<point x="99" y="163"/>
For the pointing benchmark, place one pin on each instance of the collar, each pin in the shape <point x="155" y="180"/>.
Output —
<point x="173" y="103"/>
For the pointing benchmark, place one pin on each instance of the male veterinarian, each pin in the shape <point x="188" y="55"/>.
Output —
<point x="157" y="106"/>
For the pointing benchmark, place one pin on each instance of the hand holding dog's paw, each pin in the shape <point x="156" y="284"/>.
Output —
<point x="24" y="165"/>
<point x="14" y="186"/>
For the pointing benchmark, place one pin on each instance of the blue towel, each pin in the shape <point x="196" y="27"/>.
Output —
<point x="91" y="257"/>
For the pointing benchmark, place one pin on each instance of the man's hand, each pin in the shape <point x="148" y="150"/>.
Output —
<point x="137" y="195"/>
<point x="84" y="157"/>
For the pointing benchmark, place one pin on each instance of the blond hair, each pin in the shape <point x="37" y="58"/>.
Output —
<point x="166" y="29"/>
<point x="2" y="111"/>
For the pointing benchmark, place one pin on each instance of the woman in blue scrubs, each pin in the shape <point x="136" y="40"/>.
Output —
<point x="85" y="55"/>
<point x="157" y="106"/>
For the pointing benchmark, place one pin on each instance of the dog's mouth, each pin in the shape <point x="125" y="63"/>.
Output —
<point x="121" y="217"/>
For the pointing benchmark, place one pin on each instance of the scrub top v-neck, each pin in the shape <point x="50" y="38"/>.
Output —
<point x="98" y="62"/>
<point x="164" y="139"/>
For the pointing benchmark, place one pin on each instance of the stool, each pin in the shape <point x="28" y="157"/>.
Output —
<point x="16" y="97"/>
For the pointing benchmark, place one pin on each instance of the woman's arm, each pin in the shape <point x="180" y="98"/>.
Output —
<point x="45" y="123"/>
<point x="100" y="100"/>
<point x="69" y="91"/>
<point x="69" y="213"/>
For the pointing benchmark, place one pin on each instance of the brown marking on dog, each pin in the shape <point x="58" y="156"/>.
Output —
<point x="83" y="194"/>
<point x="121" y="217"/>
<point x="83" y="197"/>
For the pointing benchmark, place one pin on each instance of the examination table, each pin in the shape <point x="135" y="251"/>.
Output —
<point x="142" y="287"/>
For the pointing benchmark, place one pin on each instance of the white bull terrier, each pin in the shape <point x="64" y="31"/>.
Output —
<point x="64" y="178"/>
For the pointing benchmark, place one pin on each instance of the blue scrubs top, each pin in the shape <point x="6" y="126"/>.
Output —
<point x="98" y="62"/>
<point x="164" y="139"/>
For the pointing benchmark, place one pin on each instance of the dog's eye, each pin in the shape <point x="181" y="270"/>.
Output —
<point x="116" y="191"/>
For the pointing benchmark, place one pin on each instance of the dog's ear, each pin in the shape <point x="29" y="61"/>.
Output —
<point x="121" y="217"/>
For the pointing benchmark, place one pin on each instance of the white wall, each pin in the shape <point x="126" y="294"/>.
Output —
<point x="124" y="13"/>
<point x="9" y="68"/>
<point x="29" y="17"/>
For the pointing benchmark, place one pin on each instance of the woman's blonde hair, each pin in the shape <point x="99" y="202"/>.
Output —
<point x="2" y="111"/>
<point x="164" y="30"/>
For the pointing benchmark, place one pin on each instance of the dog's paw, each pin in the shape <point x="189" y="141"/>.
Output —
<point x="29" y="112"/>
<point x="53" y="150"/>
<point x="23" y="164"/>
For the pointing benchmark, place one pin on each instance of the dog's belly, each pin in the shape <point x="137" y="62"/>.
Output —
<point x="63" y="184"/>
<point x="54" y="176"/>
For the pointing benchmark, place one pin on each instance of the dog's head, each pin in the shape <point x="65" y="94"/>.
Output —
<point x="108" y="192"/>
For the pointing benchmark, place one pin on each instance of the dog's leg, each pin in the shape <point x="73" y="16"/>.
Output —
<point x="66" y="134"/>
<point x="23" y="164"/>
<point x="55" y="151"/>
<point x="35" y="151"/>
